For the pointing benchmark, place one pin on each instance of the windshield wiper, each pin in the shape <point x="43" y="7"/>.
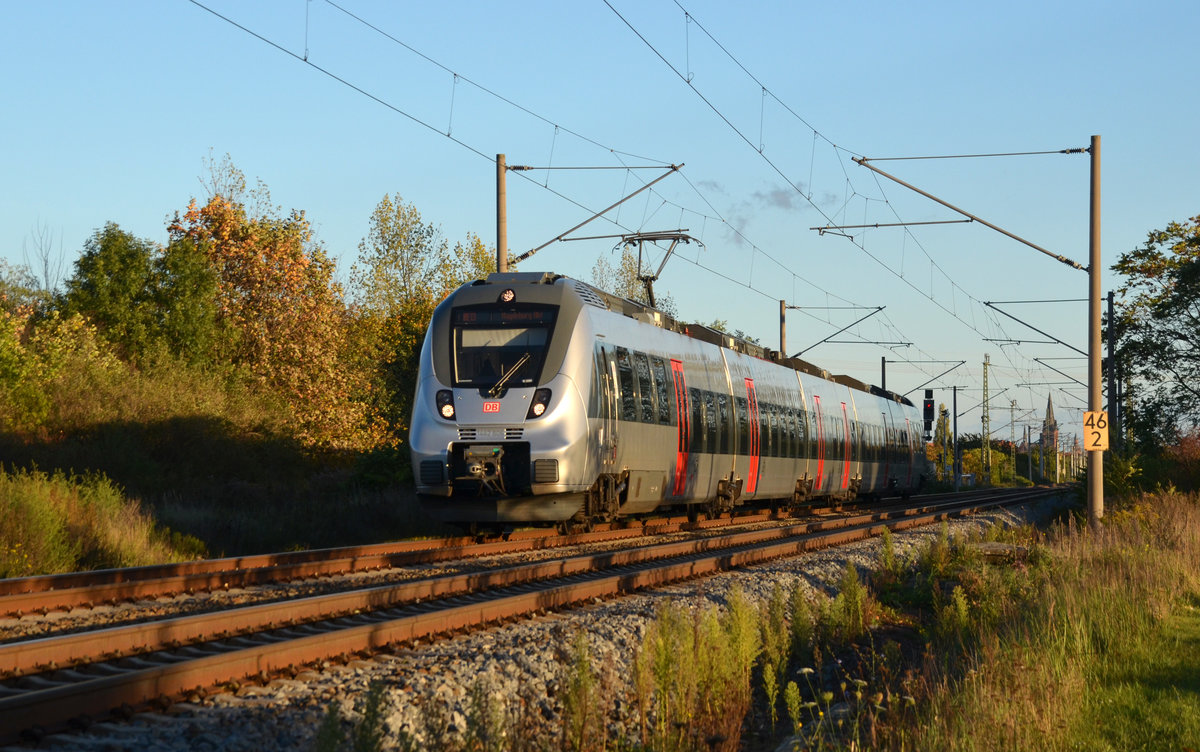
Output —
<point x="507" y="375"/>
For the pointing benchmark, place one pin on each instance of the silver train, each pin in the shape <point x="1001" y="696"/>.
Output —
<point x="543" y="399"/>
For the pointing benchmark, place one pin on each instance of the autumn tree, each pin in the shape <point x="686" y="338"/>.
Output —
<point x="405" y="267"/>
<point x="275" y="290"/>
<point x="1159" y="330"/>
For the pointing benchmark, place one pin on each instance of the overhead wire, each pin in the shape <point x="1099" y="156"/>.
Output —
<point x="619" y="155"/>
<point x="838" y="151"/>
<point x="851" y="192"/>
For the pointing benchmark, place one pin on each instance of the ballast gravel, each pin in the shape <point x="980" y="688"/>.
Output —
<point x="518" y="666"/>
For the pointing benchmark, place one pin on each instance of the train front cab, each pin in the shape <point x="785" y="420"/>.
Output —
<point x="499" y="430"/>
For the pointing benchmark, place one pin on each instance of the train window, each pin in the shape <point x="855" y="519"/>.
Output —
<point x="663" y="388"/>
<point x="698" y="427"/>
<point x="723" y="419"/>
<point x="743" y="425"/>
<point x="812" y="435"/>
<point x="712" y="428"/>
<point x="839" y="442"/>
<point x="625" y="374"/>
<point x="787" y="432"/>
<point x="642" y="366"/>
<point x="491" y="344"/>
<point x="596" y="401"/>
<point x="781" y="418"/>
<point x="799" y="430"/>
<point x="767" y="422"/>
<point x="793" y="429"/>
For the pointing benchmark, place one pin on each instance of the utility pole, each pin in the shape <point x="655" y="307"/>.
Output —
<point x="957" y="456"/>
<point x="1095" y="458"/>
<point x="1042" y="452"/>
<point x="1029" y="451"/>
<point x="501" y="217"/>
<point x="985" y="449"/>
<point x="1012" y="435"/>
<point x="883" y="372"/>
<point x="783" y="328"/>
<point x="947" y="461"/>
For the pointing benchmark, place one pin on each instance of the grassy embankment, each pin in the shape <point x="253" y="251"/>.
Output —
<point x="103" y="464"/>
<point x="1020" y="639"/>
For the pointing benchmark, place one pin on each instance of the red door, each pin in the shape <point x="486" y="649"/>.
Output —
<point x="820" y="443"/>
<point x="755" y="448"/>
<point x="684" y="429"/>
<point x="846" y="462"/>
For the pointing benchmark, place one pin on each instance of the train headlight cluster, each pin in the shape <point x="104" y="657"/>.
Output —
<point x="541" y="399"/>
<point x="445" y="403"/>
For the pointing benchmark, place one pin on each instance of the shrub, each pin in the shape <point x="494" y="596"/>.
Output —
<point x="59" y="523"/>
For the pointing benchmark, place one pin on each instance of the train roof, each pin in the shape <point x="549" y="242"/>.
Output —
<point x="648" y="315"/>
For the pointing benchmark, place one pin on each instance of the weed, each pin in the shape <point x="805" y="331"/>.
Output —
<point x="801" y="624"/>
<point x="368" y="732"/>
<point x="330" y="736"/>
<point x="887" y="561"/>
<point x="582" y="722"/>
<point x="692" y="675"/>
<point x="791" y="697"/>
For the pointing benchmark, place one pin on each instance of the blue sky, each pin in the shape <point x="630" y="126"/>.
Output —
<point x="113" y="108"/>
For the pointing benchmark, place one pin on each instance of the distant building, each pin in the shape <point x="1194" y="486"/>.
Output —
<point x="1049" y="425"/>
<point x="1049" y="440"/>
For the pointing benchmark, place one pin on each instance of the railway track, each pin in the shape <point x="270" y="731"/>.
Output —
<point x="55" y="682"/>
<point x="45" y="593"/>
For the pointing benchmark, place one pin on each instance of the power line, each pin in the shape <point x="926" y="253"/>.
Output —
<point x="481" y="87"/>
<point x="340" y="80"/>
<point x="618" y="154"/>
<point x="838" y="150"/>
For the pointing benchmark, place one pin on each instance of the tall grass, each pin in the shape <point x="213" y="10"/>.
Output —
<point x="1036" y="643"/>
<point x="1032" y="641"/>
<point x="60" y="523"/>
<point x="692" y="676"/>
<point x="206" y="452"/>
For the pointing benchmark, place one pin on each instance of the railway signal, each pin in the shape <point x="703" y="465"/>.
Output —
<point x="929" y="414"/>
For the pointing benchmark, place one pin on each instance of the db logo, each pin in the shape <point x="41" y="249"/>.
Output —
<point x="491" y="407"/>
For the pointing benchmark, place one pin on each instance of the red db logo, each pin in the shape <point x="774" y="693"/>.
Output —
<point x="491" y="407"/>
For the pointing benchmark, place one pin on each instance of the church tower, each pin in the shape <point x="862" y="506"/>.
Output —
<point x="1050" y="436"/>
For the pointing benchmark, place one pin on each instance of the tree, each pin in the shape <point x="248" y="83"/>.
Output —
<point x="148" y="300"/>
<point x="185" y="296"/>
<point x="18" y="288"/>
<point x="112" y="286"/>
<point x="405" y="267"/>
<point x="622" y="280"/>
<point x="1159" y="330"/>
<point x="275" y="289"/>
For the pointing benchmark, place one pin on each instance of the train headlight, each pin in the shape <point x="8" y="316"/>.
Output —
<point x="445" y="403"/>
<point x="541" y="399"/>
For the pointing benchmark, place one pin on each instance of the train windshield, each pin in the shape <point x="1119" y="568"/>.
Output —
<point x="498" y="348"/>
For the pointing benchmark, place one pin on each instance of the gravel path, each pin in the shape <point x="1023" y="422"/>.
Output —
<point x="522" y="662"/>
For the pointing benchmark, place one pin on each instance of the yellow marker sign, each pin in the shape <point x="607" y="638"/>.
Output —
<point x="1095" y="431"/>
